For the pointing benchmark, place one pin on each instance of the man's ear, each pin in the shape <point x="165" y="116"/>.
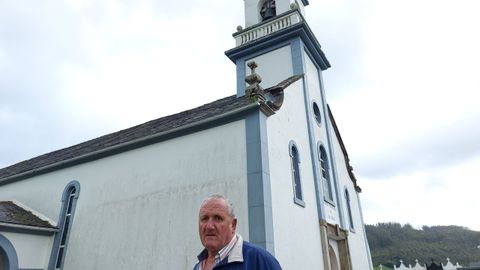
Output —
<point x="234" y="224"/>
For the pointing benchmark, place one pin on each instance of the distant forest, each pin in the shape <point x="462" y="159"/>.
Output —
<point x="392" y="242"/>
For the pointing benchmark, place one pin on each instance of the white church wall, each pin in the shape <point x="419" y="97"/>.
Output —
<point x="33" y="251"/>
<point x="320" y="131"/>
<point x="356" y="238"/>
<point x="359" y="253"/>
<point x="274" y="66"/>
<point x="139" y="209"/>
<point x="296" y="228"/>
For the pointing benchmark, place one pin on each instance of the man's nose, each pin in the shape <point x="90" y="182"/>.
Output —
<point x="210" y="224"/>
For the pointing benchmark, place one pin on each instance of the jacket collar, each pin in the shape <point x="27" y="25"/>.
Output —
<point x="236" y="254"/>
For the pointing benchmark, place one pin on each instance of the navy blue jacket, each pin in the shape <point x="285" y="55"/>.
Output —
<point x="245" y="256"/>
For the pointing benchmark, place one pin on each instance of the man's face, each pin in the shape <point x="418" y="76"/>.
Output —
<point x="215" y="226"/>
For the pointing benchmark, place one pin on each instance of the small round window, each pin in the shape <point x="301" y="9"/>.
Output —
<point x="316" y="112"/>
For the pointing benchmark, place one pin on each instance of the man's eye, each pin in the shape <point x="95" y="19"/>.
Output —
<point x="217" y="218"/>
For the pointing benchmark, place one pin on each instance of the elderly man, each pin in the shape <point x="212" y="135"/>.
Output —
<point x="224" y="249"/>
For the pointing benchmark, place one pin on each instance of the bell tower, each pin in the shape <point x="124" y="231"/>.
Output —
<point x="274" y="47"/>
<point x="277" y="37"/>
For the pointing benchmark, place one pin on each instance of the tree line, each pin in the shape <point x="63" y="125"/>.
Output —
<point x="392" y="242"/>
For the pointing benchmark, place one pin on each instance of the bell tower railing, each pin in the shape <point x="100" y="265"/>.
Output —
<point x="267" y="27"/>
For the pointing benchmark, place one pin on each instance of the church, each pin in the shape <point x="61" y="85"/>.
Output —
<point x="130" y="199"/>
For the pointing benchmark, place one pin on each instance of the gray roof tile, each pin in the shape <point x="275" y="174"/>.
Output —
<point x="147" y="129"/>
<point x="118" y="141"/>
<point x="11" y="213"/>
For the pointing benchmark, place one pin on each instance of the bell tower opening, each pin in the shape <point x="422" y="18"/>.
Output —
<point x="268" y="10"/>
<point x="258" y="11"/>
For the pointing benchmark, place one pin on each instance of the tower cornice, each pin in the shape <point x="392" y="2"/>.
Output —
<point x="283" y="28"/>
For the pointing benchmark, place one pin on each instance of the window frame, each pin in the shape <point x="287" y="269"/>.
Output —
<point x="349" y="209"/>
<point x="7" y="250"/>
<point x="318" y="117"/>
<point x="69" y="202"/>
<point x="298" y="196"/>
<point x="325" y="176"/>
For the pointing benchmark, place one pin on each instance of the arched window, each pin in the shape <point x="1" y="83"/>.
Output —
<point x="316" y="113"/>
<point x="268" y="10"/>
<point x="297" y="185"/>
<point x="8" y="255"/>
<point x="349" y="209"/>
<point x="327" y="185"/>
<point x="69" y="202"/>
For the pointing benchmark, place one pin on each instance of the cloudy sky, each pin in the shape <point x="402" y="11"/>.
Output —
<point x="404" y="85"/>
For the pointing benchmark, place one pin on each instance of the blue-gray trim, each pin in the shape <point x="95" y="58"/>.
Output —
<point x="299" y="202"/>
<point x="299" y="68"/>
<point x="241" y="74"/>
<point x="293" y="144"/>
<point x="7" y="248"/>
<point x="61" y="221"/>
<point x="297" y="57"/>
<point x="28" y="230"/>
<point x="260" y="219"/>
<point x="296" y="200"/>
<point x="67" y="188"/>
<point x="299" y="30"/>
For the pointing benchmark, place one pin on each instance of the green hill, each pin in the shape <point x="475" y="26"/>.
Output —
<point x="390" y="242"/>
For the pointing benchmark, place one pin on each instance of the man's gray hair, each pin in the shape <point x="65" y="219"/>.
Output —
<point x="221" y="197"/>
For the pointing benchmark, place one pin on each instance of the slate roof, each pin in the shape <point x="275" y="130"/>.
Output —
<point x="11" y="213"/>
<point x="139" y="132"/>
<point x="148" y="133"/>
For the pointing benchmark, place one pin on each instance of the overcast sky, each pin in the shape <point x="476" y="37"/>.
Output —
<point x="404" y="85"/>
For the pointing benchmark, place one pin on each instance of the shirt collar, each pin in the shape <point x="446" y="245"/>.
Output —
<point x="236" y="254"/>
<point x="232" y="250"/>
<point x="225" y="250"/>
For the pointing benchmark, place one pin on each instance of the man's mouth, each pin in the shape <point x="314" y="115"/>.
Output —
<point x="210" y="235"/>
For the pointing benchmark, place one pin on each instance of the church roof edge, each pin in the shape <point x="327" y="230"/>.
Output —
<point x="344" y="150"/>
<point x="13" y="215"/>
<point x="164" y="128"/>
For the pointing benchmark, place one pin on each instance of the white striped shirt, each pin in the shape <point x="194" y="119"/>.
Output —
<point x="222" y="253"/>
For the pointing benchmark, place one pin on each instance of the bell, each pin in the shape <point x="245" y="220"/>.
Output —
<point x="268" y="13"/>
